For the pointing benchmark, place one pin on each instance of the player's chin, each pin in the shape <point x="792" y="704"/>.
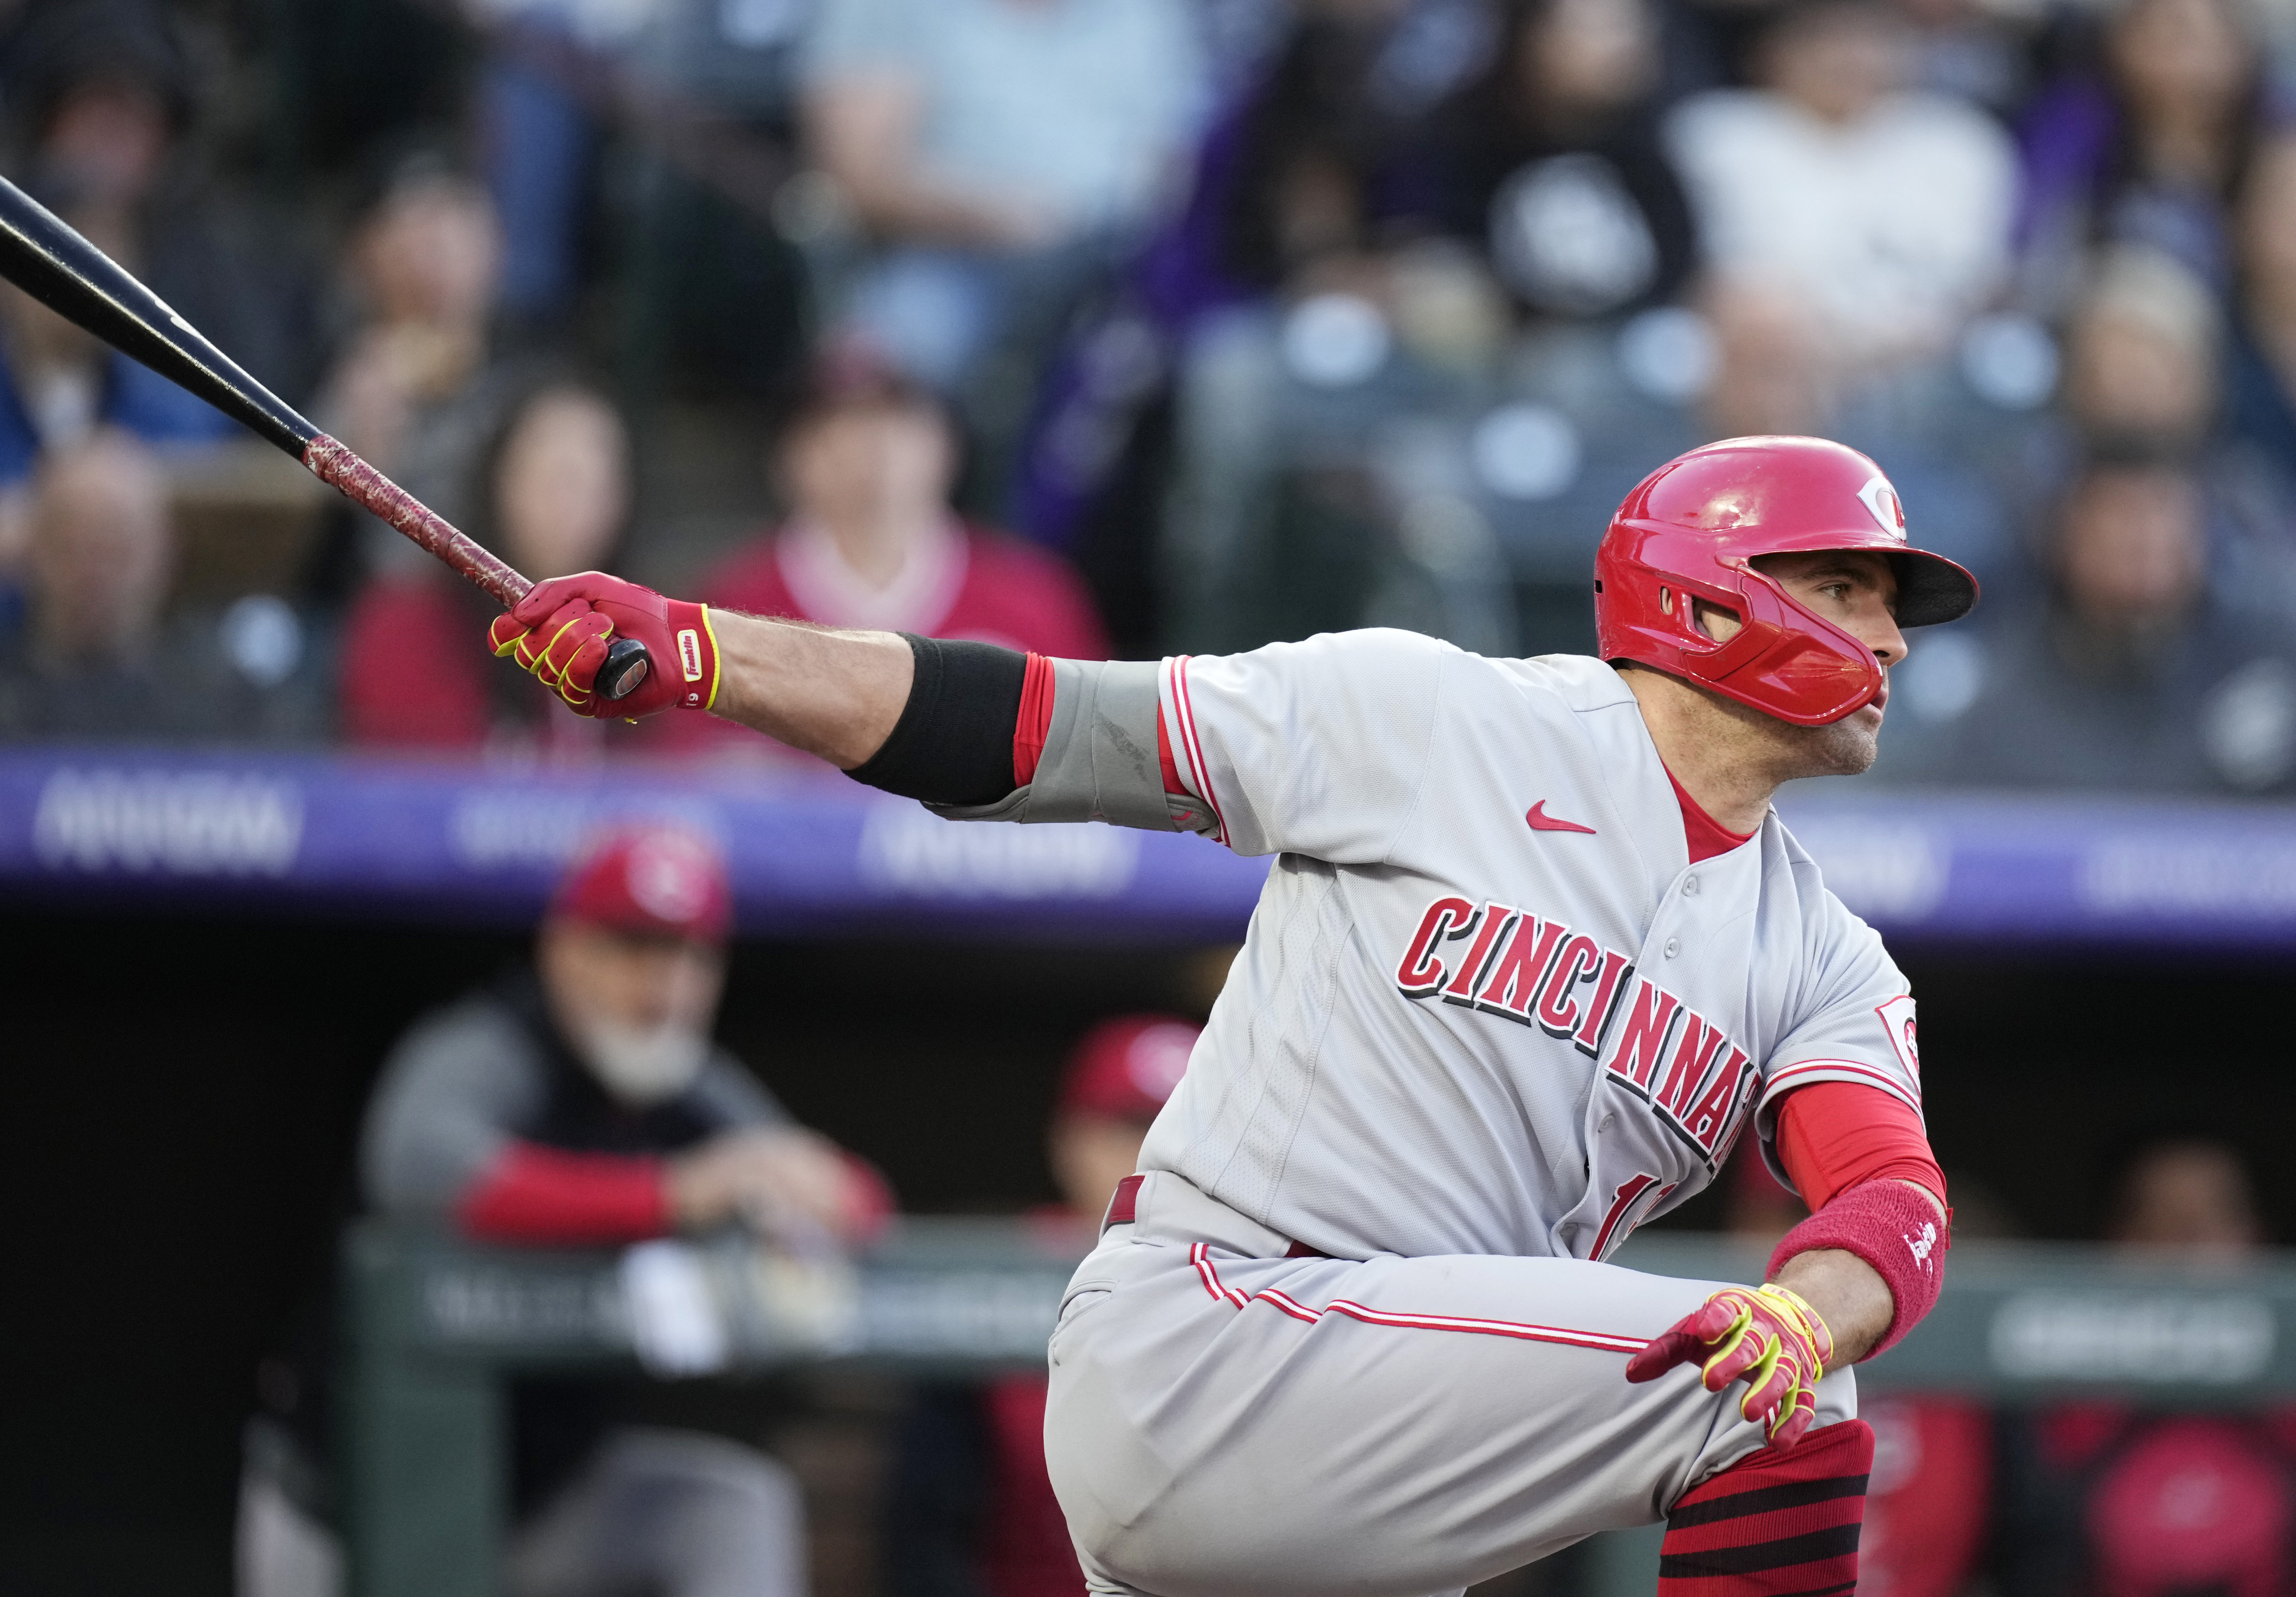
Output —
<point x="1848" y="747"/>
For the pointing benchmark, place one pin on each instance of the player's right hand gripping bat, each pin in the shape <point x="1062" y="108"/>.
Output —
<point x="54" y="265"/>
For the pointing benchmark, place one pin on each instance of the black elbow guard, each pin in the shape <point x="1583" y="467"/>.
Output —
<point x="954" y="742"/>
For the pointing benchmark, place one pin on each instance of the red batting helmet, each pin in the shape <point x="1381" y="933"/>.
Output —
<point x="1690" y="530"/>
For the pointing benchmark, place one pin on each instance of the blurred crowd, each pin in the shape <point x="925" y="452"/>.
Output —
<point x="1137" y="327"/>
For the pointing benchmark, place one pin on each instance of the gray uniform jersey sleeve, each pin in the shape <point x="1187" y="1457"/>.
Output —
<point x="1100" y="760"/>
<point x="449" y="1094"/>
<point x="1317" y="748"/>
<point x="1314" y="748"/>
<point x="1856" y="1024"/>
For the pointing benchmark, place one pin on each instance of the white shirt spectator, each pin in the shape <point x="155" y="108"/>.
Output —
<point x="1081" y="106"/>
<point x="1894" y="227"/>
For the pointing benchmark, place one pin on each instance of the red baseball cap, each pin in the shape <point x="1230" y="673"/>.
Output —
<point x="1126" y="1068"/>
<point x="662" y="881"/>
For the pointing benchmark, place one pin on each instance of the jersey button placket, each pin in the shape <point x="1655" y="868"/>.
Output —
<point x="1673" y="947"/>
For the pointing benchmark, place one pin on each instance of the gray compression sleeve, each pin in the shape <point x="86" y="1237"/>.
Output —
<point x="1100" y="760"/>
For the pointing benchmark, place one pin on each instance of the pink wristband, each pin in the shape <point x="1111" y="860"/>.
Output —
<point x="1893" y="1228"/>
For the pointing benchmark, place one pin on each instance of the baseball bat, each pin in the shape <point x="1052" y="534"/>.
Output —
<point x="53" y="264"/>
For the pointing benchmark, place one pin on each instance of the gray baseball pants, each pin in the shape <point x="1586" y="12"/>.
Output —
<point x="1226" y="1421"/>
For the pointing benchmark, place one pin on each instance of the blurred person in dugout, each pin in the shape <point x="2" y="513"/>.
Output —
<point x="971" y="1511"/>
<point x="551" y="493"/>
<point x="1002" y="156"/>
<point x="1851" y="224"/>
<point x="93" y="651"/>
<point x="1927" y="1500"/>
<point x="2103" y="1497"/>
<point x="865" y="461"/>
<point x="580" y="1101"/>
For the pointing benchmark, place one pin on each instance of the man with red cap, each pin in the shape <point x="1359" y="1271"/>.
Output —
<point x="581" y="1101"/>
<point x="1534" y="952"/>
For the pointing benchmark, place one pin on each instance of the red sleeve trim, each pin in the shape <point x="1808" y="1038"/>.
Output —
<point x="1192" y="746"/>
<point x="1836" y="1135"/>
<point x="1036" y="722"/>
<point x="1169" y="766"/>
<point x="536" y="1194"/>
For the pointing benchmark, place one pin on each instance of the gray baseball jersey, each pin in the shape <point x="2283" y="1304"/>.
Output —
<point x="1487" y="1004"/>
<point x="1488" y="1009"/>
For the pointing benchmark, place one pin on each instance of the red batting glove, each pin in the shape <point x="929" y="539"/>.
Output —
<point x="1767" y="1337"/>
<point x="560" y="632"/>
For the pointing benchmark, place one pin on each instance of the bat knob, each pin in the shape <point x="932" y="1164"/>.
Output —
<point x="627" y="665"/>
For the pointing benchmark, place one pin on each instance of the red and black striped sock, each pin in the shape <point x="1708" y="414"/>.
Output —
<point x="1772" y="1526"/>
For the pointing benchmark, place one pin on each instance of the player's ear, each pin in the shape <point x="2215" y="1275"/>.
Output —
<point x="1717" y="622"/>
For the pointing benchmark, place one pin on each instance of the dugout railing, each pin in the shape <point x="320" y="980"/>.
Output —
<point x="434" y="1328"/>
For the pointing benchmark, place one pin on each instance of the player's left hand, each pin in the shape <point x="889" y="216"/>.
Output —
<point x="1767" y="1337"/>
<point x="560" y="630"/>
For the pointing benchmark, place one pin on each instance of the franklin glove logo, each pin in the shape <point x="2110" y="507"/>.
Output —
<point x="689" y="654"/>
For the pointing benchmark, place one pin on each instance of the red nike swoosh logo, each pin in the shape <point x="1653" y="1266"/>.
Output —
<point x="1541" y="821"/>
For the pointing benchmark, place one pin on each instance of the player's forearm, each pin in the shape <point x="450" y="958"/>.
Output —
<point x="1849" y="1296"/>
<point x="1847" y="1293"/>
<point x="837" y="695"/>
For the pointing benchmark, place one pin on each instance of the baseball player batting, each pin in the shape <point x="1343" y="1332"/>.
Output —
<point x="1533" y="952"/>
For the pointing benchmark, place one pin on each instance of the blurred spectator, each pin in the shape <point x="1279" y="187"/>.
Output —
<point x="581" y="1101"/>
<point x="1004" y="154"/>
<point x="1853" y="224"/>
<point x="95" y="655"/>
<point x="416" y="378"/>
<point x="2102" y="1496"/>
<point x="2145" y="373"/>
<point x="1553" y="158"/>
<point x="1321" y="483"/>
<point x="552" y="65"/>
<point x="1315" y="179"/>
<point x="1974" y="50"/>
<point x="2151" y="151"/>
<point x="2260" y="383"/>
<point x="972" y="1512"/>
<point x="1927" y="1500"/>
<point x="2141" y="355"/>
<point x="100" y="105"/>
<point x="2126" y="675"/>
<point x="552" y="496"/>
<point x="865" y="462"/>
<point x="1318" y="164"/>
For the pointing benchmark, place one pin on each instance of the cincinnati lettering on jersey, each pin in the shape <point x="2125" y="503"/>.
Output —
<point x="1498" y="960"/>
